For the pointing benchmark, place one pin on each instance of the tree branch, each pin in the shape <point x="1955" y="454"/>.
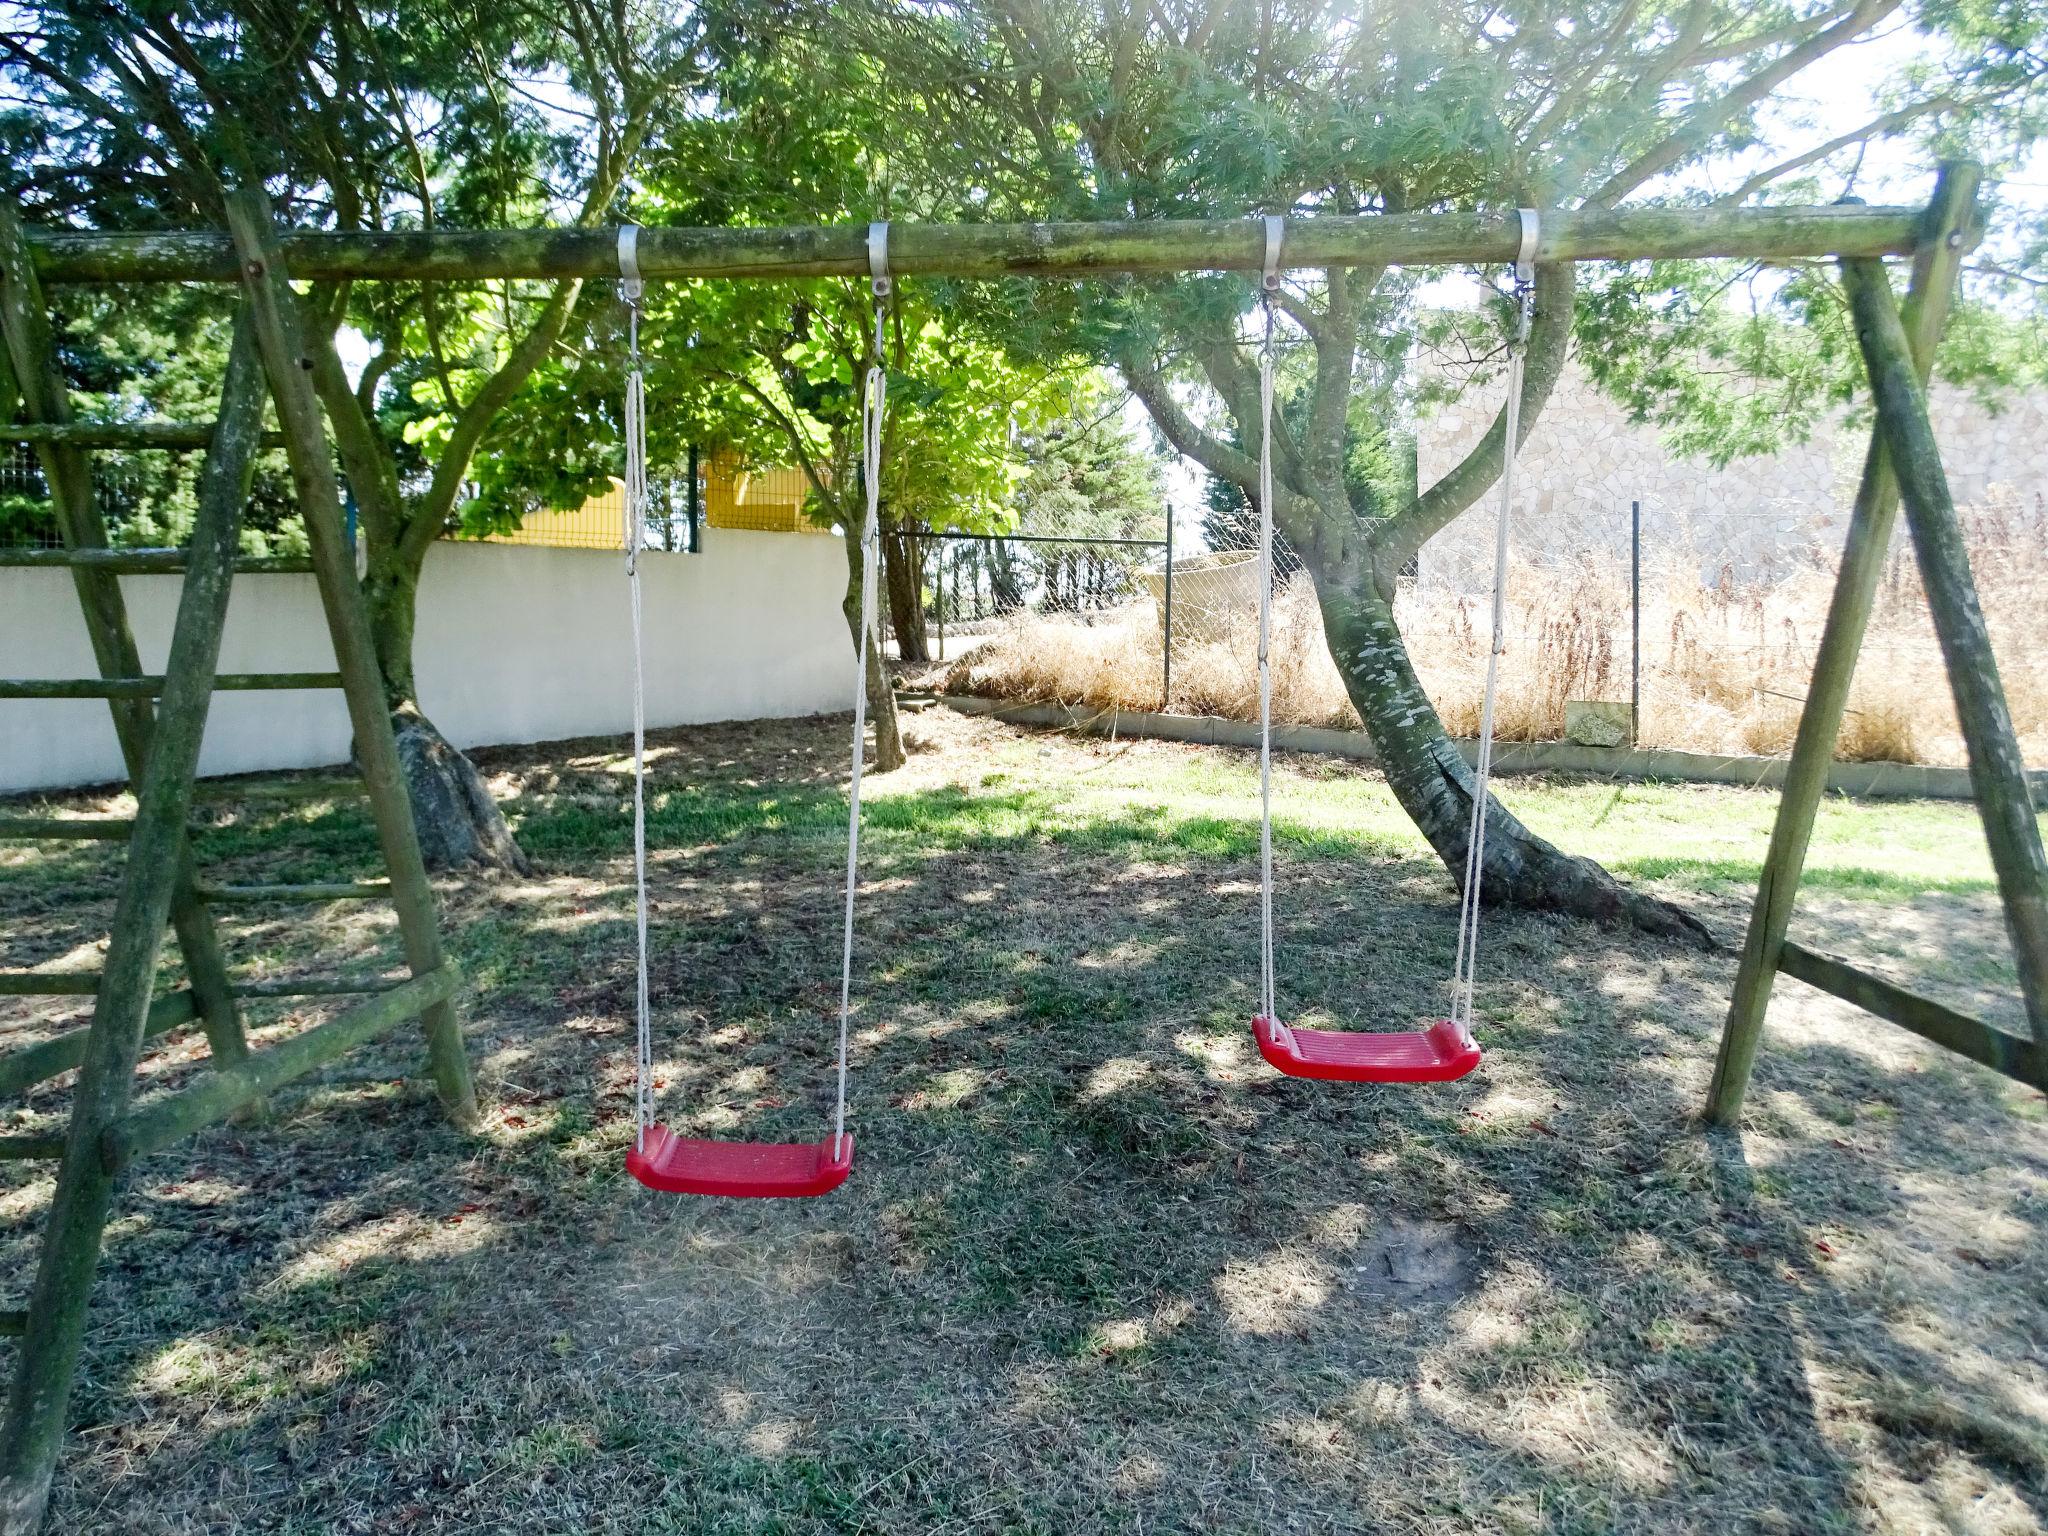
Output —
<point x="1397" y="539"/>
<point x="1700" y="125"/>
<point x="1179" y="429"/>
<point x="1877" y="127"/>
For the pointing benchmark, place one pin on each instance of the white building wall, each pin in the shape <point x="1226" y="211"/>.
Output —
<point x="515" y="644"/>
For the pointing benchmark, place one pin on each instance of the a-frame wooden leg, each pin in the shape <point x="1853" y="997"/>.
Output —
<point x="1997" y="770"/>
<point x="289" y="368"/>
<point x="85" y="1181"/>
<point x="1950" y="225"/>
<point x="44" y="400"/>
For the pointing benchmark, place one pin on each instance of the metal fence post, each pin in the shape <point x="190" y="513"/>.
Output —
<point x="1166" y="642"/>
<point x="691" y="503"/>
<point x="1635" y="622"/>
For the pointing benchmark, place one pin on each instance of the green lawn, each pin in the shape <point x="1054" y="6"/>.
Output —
<point x="1098" y="1269"/>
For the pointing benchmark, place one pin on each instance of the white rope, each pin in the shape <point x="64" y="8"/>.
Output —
<point x="872" y="402"/>
<point x="1465" y="974"/>
<point x="1268" y="1004"/>
<point x="630" y="289"/>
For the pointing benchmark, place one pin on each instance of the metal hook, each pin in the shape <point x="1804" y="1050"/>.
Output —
<point x="878" y="258"/>
<point x="631" y="285"/>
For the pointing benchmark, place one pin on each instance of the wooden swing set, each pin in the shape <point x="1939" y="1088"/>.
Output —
<point x="161" y="886"/>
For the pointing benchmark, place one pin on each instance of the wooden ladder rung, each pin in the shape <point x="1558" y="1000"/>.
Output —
<point x="345" y="890"/>
<point x="314" y="986"/>
<point x="49" y="983"/>
<point x="81" y="829"/>
<point x="147" y="562"/>
<point x="219" y="1094"/>
<point x="26" y="1148"/>
<point x="150" y="687"/>
<point x="31" y="1064"/>
<point x="173" y="435"/>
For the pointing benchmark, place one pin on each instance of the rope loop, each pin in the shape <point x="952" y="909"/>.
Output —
<point x="1464" y="982"/>
<point x="1270" y="283"/>
<point x="873" y="401"/>
<point x="631" y="288"/>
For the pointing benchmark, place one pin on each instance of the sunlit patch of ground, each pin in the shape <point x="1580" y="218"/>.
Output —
<point x="1098" y="1269"/>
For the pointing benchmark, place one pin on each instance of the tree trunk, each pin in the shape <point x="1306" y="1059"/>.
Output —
<point x="889" y="754"/>
<point x="1434" y="784"/>
<point x="460" y="825"/>
<point x="903" y="579"/>
<point x="1006" y="587"/>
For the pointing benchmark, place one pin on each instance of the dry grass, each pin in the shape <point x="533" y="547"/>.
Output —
<point x="1098" y="1270"/>
<point x="1726" y="662"/>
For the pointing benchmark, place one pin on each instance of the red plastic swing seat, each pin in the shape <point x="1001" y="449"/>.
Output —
<point x="760" y="1170"/>
<point x="1438" y="1054"/>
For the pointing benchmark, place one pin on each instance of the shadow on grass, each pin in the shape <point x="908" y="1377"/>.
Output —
<point x="1096" y="1270"/>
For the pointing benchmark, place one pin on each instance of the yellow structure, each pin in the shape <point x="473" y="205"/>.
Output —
<point x="600" y="523"/>
<point x="769" y="500"/>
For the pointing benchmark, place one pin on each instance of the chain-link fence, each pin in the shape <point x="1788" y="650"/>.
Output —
<point x="1625" y="623"/>
<point x="147" y="498"/>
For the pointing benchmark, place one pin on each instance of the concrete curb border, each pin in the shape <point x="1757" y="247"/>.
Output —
<point x="1887" y="781"/>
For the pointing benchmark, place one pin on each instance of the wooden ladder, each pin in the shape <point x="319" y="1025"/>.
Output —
<point x="159" y="720"/>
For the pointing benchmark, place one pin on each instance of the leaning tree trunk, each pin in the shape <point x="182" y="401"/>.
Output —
<point x="881" y="692"/>
<point x="460" y="825"/>
<point x="1435" y="785"/>
<point x="903" y="580"/>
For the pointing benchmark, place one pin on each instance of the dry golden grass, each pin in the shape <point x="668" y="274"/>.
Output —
<point x="1726" y="663"/>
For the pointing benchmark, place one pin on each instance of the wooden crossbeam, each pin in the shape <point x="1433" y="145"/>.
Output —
<point x="79" y="829"/>
<point x="993" y="250"/>
<point x="219" y="1094"/>
<point x="174" y="436"/>
<point x="32" y="1064"/>
<point x="144" y="562"/>
<point x="49" y="983"/>
<point x="256" y="895"/>
<point x="149" y="687"/>
<point x="1983" y="1043"/>
<point x="328" y="788"/>
<point x="312" y="986"/>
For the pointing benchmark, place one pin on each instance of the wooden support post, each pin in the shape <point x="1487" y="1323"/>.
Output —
<point x="156" y="869"/>
<point x="25" y="328"/>
<point x="277" y="317"/>
<point x="1997" y="771"/>
<point x="1947" y="235"/>
<point x="217" y="1095"/>
<point x="37" y="1063"/>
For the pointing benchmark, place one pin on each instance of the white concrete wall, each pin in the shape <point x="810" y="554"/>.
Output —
<point x="515" y="644"/>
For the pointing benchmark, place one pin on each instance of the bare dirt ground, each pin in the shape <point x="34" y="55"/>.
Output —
<point x="1098" y="1269"/>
